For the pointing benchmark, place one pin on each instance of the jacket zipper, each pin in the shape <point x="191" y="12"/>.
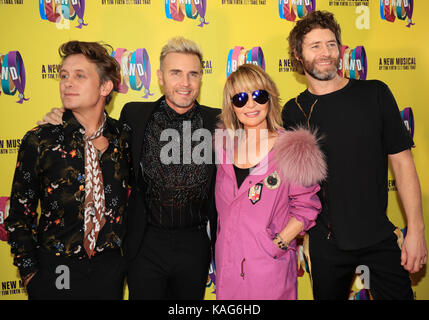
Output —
<point x="242" y="268"/>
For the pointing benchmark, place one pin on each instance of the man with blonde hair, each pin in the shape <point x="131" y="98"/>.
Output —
<point x="171" y="202"/>
<point x="167" y="243"/>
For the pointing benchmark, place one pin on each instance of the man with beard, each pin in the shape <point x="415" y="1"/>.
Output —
<point x="360" y="128"/>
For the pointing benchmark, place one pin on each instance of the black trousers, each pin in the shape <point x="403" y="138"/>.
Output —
<point x="101" y="277"/>
<point x="332" y="270"/>
<point x="171" y="264"/>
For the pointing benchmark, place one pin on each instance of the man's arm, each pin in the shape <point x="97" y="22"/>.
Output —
<point x="22" y="220"/>
<point x="414" y="251"/>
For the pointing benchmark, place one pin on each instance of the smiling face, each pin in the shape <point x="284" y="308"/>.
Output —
<point x="80" y="86"/>
<point x="320" y="54"/>
<point x="253" y="115"/>
<point x="180" y="77"/>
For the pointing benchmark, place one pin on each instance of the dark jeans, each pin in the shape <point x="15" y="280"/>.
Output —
<point x="332" y="270"/>
<point x="101" y="277"/>
<point x="171" y="264"/>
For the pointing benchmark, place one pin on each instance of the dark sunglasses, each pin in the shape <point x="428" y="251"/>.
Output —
<point x="240" y="99"/>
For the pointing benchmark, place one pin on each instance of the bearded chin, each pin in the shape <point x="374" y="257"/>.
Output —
<point x="325" y="76"/>
<point x="322" y="76"/>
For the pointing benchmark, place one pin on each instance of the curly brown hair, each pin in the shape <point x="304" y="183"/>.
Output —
<point x="314" y="20"/>
<point x="98" y="53"/>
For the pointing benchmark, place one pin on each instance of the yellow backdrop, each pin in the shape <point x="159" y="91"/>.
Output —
<point x="394" y="52"/>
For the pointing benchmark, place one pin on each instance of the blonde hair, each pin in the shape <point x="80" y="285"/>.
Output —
<point x="181" y="45"/>
<point x="249" y="78"/>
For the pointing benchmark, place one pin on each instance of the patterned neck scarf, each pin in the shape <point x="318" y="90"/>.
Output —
<point x="94" y="193"/>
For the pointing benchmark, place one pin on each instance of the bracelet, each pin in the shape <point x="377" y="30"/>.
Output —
<point x="280" y="243"/>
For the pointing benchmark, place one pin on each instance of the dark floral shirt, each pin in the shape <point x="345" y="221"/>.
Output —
<point x="50" y="168"/>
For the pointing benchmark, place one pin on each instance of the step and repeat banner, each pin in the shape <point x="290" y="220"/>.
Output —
<point x="382" y="39"/>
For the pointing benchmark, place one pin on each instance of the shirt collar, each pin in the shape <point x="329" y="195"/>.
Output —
<point x="173" y="115"/>
<point x="71" y="124"/>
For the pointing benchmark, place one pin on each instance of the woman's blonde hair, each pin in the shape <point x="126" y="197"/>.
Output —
<point x="249" y="78"/>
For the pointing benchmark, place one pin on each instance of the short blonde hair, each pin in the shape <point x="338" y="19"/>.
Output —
<point x="249" y="78"/>
<point x="181" y="45"/>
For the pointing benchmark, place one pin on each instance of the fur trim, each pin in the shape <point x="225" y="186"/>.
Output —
<point x="299" y="158"/>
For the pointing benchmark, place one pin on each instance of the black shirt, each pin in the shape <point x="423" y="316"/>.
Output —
<point x="174" y="192"/>
<point x="50" y="168"/>
<point x="241" y="175"/>
<point x="359" y="126"/>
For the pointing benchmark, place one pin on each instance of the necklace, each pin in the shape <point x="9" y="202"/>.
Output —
<point x="308" y="117"/>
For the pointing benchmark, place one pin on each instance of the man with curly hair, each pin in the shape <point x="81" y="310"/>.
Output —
<point x="360" y="129"/>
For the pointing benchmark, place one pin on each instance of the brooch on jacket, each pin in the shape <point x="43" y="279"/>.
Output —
<point x="255" y="193"/>
<point x="272" y="181"/>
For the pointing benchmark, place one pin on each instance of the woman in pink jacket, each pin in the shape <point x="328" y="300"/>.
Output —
<point x="266" y="189"/>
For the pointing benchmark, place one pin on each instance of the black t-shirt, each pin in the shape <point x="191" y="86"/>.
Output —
<point x="358" y="126"/>
<point x="241" y="174"/>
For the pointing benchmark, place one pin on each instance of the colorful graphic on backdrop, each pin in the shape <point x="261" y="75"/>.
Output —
<point x="211" y="279"/>
<point x="239" y="55"/>
<point x="301" y="259"/>
<point x="408" y="118"/>
<point x="363" y="294"/>
<point x="13" y="75"/>
<point x="353" y="63"/>
<point x="401" y="9"/>
<point x="178" y="9"/>
<point x="291" y="9"/>
<point x="4" y="212"/>
<point x="57" y="10"/>
<point x="135" y="70"/>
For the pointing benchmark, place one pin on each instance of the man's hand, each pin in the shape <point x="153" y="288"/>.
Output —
<point x="414" y="252"/>
<point x="55" y="117"/>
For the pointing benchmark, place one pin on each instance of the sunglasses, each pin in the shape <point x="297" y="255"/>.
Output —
<point x="240" y="99"/>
